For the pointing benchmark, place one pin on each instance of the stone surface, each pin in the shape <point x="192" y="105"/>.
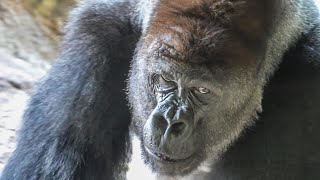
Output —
<point x="22" y="36"/>
<point x="17" y="80"/>
<point x="25" y="50"/>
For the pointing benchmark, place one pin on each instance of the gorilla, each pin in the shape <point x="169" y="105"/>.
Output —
<point x="196" y="89"/>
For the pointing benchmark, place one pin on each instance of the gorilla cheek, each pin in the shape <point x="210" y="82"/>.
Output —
<point x="153" y="131"/>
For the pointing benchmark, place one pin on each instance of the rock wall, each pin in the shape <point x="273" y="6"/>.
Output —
<point x="17" y="79"/>
<point x="28" y="45"/>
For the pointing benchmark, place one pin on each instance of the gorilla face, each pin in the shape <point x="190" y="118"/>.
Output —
<point x="192" y="91"/>
<point x="186" y="113"/>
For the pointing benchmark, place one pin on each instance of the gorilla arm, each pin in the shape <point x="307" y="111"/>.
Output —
<point x="78" y="117"/>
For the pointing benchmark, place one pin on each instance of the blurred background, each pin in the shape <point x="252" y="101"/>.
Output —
<point x="30" y="31"/>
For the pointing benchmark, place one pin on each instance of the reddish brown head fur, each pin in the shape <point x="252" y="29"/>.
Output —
<point x="197" y="31"/>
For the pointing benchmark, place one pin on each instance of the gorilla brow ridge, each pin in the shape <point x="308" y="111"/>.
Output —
<point x="220" y="11"/>
<point x="193" y="45"/>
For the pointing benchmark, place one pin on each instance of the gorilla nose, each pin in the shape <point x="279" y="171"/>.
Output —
<point x="168" y="130"/>
<point x="178" y="131"/>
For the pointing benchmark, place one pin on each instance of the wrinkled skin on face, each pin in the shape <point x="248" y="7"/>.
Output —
<point x="194" y="87"/>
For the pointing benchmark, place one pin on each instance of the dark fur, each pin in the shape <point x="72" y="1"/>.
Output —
<point x="71" y="129"/>
<point x="284" y="143"/>
<point x="77" y="123"/>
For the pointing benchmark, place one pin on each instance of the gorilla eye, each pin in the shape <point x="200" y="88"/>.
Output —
<point x="165" y="84"/>
<point x="203" y="90"/>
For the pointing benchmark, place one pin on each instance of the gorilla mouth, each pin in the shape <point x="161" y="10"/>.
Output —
<point x="163" y="157"/>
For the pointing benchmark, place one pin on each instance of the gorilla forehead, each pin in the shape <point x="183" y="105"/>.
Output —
<point x="178" y="35"/>
<point x="204" y="9"/>
<point x="214" y="48"/>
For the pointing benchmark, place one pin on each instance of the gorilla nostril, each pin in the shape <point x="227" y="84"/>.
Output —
<point x="161" y="124"/>
<point x="178" y="128"/>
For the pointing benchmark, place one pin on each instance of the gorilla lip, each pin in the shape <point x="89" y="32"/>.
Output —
<point x="163" y="157"/>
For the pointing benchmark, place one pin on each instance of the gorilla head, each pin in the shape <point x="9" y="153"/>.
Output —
<point x="195" y="84"/>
